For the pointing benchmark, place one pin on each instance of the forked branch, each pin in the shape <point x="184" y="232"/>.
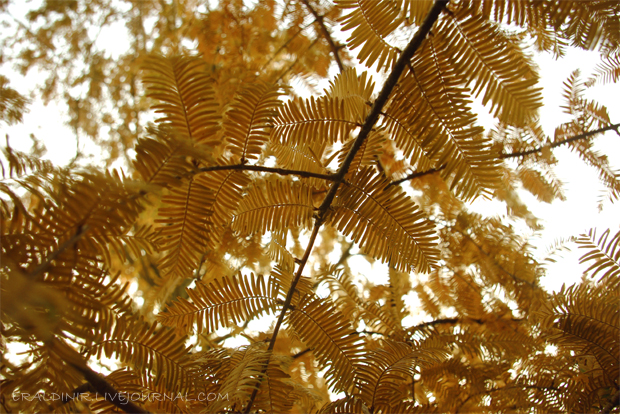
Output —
<point x="369" y="123"/>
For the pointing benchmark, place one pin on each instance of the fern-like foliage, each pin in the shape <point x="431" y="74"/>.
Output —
<point x="185" y="96"/>
<point x="603" y="256"/>
<point x="324" y="120"/>
<point x="336" y="345"/>
<point x="274" y="205"/>
<point x="250" y="206"/>
<point x="380" y="377"/>
<point x="151" y="348"/>
<point x="222" y="303"/>
<point x="249" y="119"/>
<point x="183" y="222"/>
<point x="371" y="24"/>
<point x="398" y="233"/>
<point x="506" y="79"/>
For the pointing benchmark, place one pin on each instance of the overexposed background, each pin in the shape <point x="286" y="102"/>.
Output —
<point x="561" y="220"/>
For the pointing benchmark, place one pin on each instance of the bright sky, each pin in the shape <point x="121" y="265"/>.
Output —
<point x="561" y="219"/>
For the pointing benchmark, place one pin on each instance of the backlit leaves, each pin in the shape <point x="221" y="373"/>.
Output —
<point x="385" y="222"/>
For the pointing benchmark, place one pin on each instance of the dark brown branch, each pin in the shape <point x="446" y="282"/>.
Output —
<point x="453" y="321"/>
<point x="338" y="178"/>
<point x="612" y="404"/>
<point x="287" y="303"/>
<point x="98" y="383"/>
<point x="260" y="168"/>
<point x="103" y="388"/>
<point x="613" y="127"/>
<point x="417" y="174"/>
<point x="326" y="34"/>
<point x="48" y="260"/>
<point x="301" y="353"/>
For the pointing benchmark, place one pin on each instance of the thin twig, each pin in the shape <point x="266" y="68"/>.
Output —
<point x="260" y="168"/>
<point x="338" y="178"/>
<point x="417" y="174"/>
<point x="48" y="260"/>
<point x="613" y="127"/>
<point x="301" y="353"/>
<point x="326" y="34"/>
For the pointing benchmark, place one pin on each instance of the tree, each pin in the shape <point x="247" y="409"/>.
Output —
<point x="234" y="211"/>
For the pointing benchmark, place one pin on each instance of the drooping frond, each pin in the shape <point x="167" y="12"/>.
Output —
<point x="607" y="71"/>
<point x="186" y="98"/>
<point x="164" y="159"/>
<point x="124" y="381"/>
<point x="222" y="302"/>
<point x="603" y="255"/>
<point x="20" y="164"/>
<point x="246" y="372"/>
<point x="274" y="204"/>
<point x="324" y="120"/>
<point x="335" y="344"/>
<point x="538" y="185"/>
<point x="276" y="393"/>
<point x="406" y="134"/>
<point x="385" y="222"/>
<point x="277" y="251"/>
<point x="155" y="349"/>
<point x="301" y="157"/>
<point x="352" y="404"/>
<point x="349" y="301"/>
<point x="416" y="10"/>
<point x="140" y="240"/>
<point x="356" y="92"/>
<point x="371" y="23"/>
<point x="587" y="115"/>
<point x="438" y="125"/>
<point x="585" y="319"/>
<point x="248" y="122"/>
<point x="385" y="370"/>
<point x="285" y="278"/>
<point x="184" y="216"/>
<point x="227" y="188"/>
<point x="587" y="25"/>
<point x="368" y="154"/>
<point x="498" y="70"/>
<point x="86" y="211"/>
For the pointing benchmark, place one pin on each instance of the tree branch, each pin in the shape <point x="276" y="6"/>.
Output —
<point x="98" y="383"/>
<point x="613" y="127"/>
<point x="417" y="174"/>
<point x="49" y="259"/>
<point x="260" y="168"/>
<point x="111" y="395"/>
<point x="338" y="178"/>
<point x="326" y="34"/>
<point x="615" y="401"/>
